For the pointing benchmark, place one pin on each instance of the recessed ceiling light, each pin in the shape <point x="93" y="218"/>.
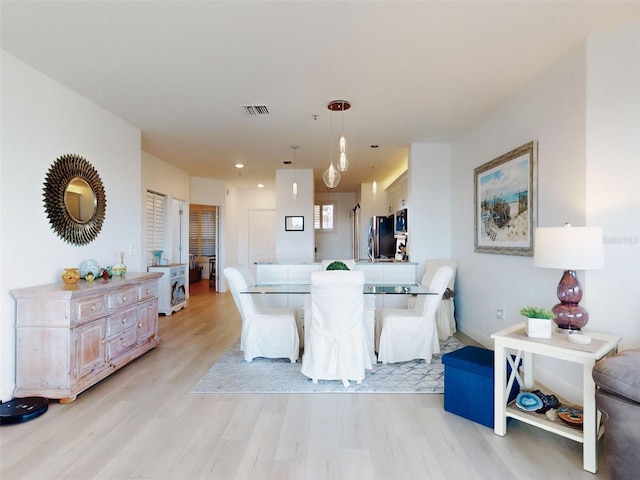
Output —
<point x="260" y="185"/>
<point x="239" y="165"/>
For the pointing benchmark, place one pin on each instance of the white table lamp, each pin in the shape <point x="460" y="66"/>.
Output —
<point x="570" y="249"/>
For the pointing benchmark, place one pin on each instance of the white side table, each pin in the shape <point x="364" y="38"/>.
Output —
<point x="558" y="346"/>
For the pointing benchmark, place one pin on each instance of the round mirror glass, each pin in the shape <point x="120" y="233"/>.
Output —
<point x="74" y="199"/>
<point x="80" y="200"/>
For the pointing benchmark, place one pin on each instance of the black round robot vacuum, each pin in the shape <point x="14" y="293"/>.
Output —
<point x="18" y="410"/>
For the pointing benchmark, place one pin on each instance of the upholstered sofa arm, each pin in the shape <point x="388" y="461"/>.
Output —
<point x="620" y="374"/>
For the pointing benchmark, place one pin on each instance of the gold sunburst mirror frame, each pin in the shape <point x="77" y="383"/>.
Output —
<point x="74" y="199"/>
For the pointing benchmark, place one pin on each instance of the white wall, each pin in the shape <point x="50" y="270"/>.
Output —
<point x="429" y="209"/>
<point x="167" y="179"/>
<point x="584" y="114"/>
<point x="613" y="179"/>
<point x="42" y="120"/>
<point x="550" y="110"/>
<point x="338" y="243"/>
<point x="294" y="246"/>
<point x="236" y="225"/>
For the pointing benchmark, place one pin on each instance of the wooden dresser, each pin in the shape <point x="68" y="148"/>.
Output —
<point x="69" y="337"/>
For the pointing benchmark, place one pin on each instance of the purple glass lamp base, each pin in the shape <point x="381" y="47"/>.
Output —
<point x="568" y="314"/>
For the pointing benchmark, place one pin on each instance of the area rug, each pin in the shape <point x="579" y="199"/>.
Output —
<point x="231" y="374"/>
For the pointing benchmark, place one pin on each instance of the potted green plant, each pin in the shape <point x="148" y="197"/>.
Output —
<point x="539" y="321"/>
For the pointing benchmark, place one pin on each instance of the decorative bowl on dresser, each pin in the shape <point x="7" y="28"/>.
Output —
<point x="69" y="337"/>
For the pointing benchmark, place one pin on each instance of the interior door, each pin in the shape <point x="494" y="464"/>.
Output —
<point x="262" y="237"/>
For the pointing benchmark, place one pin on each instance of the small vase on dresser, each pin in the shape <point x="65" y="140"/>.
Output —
<point x="70" y="276"/>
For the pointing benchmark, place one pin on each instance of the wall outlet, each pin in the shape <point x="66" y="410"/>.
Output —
<point x="500" y="314"/>
<point x="133" y="250"/>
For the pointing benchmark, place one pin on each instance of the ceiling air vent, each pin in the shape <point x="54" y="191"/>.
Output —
<point x="256" y="109"/>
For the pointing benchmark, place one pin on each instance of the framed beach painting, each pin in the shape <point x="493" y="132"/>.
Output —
<point x="505" y="202"/>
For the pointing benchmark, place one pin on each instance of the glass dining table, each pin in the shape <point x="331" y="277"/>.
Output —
<point x="370" y="291"/>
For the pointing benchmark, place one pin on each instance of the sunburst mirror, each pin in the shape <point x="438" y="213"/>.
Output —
<point x="74" y="199"/>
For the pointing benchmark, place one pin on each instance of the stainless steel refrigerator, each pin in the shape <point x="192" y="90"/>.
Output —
<point x="382" y="243"/>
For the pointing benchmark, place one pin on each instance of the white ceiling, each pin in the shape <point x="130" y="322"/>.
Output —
<point x="181" y="71"/>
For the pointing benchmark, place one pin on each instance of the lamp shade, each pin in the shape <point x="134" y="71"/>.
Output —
<point x="569" y="248"/>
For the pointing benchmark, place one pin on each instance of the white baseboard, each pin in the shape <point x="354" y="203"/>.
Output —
<point x="6" y="393"/>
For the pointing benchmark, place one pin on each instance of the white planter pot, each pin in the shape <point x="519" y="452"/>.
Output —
<point x="539" y="327"/>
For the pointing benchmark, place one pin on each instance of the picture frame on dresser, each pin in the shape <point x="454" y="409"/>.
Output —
<point x="506" y="203"/>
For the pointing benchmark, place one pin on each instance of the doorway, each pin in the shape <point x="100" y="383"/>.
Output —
<point x="203" y="241"/>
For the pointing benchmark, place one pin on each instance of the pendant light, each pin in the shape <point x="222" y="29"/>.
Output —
<point x="294" y="187"/>
<point x="374" y="185"/>
<point x="331" y="175"/>
<point x="341" y="106"/>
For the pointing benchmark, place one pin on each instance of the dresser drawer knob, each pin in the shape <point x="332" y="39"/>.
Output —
<point x="124" y="298"/>
<point x="124" y="320"/>
<point x="93" y="308"/>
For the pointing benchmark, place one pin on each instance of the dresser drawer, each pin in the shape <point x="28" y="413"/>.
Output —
<point x="148" y="290"/>
<point x="121" y="298"/>
<point x="120" y="344"/>
<point x="90" y="308"/>
<point x="177" y="272"/>
<point x="122" y="321"/>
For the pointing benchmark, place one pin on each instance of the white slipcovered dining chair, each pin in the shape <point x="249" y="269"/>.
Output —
<point x="337" y="347"/>
<point x="266" y="331"/>
<point x="445" y="315"/>
<point x="410" y="333"/>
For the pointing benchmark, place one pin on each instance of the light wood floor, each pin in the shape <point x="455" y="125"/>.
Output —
<point x="142" y="423"/>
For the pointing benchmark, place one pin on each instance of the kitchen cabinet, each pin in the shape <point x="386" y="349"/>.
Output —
<point x="172" y="294"/>
<point x="398" y="194"/>
<point x="69" y="337"/>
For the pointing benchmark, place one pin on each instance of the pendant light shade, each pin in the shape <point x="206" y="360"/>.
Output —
<point x="374" y="185"/>
<point x="341" y="106"/>
<point x="343" y="163"/>
<point x="331" y="176"/>
<point x="294" y="187"/>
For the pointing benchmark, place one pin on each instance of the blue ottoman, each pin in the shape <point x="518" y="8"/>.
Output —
<point x="468" y="384"/>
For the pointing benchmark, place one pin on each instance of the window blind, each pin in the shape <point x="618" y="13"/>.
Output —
<point x="202" y="230"/>
<point x="156" y="209"/>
